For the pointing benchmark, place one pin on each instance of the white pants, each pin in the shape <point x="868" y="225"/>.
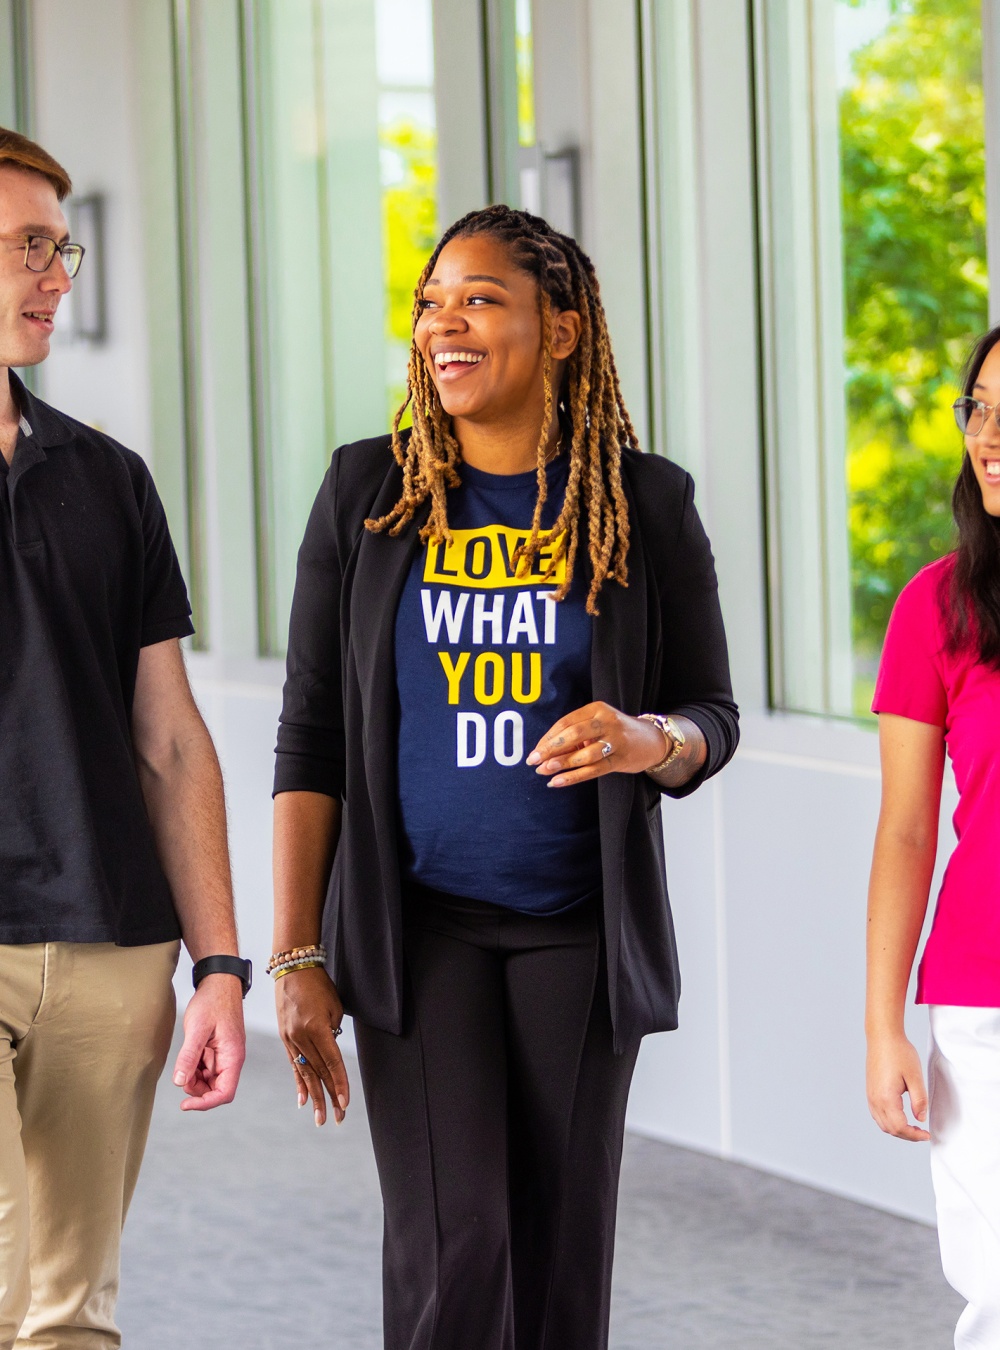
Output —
<point x="964" y="1084"/>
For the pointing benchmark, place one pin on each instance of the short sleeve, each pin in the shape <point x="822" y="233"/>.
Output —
<point x="910" y="679"/>
<point x="166" y="610"/>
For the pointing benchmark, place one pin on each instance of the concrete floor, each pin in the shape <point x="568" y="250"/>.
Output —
<point x="253" y="1229"/>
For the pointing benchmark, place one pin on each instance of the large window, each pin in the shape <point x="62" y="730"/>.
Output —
<point x="914" y="224"/>
<point x="341" y="159"/>
<point x="873" y="241"/>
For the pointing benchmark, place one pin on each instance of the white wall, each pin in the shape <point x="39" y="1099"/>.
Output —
<point x="83" y="116"/>
<point x="768" y="873"/>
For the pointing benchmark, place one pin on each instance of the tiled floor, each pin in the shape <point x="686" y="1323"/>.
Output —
<point x="253" y="1229"/>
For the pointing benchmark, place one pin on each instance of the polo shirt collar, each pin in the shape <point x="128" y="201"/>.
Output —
<point x="48" y="429"/>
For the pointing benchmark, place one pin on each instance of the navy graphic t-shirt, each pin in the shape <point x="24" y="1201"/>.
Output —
<point x="486" y="661"/>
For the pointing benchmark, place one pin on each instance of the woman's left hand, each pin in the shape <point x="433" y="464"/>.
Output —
<point x="574" y="748"/>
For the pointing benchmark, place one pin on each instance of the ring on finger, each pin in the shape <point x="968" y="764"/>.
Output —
<point x="606" y="749"/>
<point x="301" y="1059"/>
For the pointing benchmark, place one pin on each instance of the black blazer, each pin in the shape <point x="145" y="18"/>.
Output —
<point x="658" y="646"/>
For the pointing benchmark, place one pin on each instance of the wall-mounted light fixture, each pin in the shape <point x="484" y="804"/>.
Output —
<point x="549" y="185"/>
<point x="89" y="297"/>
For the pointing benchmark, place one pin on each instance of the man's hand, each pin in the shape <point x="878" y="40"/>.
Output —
<point x="209" y="1062"/>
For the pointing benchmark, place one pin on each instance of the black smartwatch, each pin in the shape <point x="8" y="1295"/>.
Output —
<point x="224" y="965"/>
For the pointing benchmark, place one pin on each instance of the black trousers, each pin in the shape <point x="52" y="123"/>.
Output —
<point x="497" y="1120"/>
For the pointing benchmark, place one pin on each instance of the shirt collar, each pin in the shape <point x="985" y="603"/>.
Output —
<point x="45" y="426"/>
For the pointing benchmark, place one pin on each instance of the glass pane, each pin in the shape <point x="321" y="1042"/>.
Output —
<point x="803" y="314"/>
<point x="874" y="284"/>
<point x="525" y="57"/>
<point x="345" y="149"/>
<point x="291" y="275"/>
<point x="912" y="158"/>
<point x="408" y="169"/>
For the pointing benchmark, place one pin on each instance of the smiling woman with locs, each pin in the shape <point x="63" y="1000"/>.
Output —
<point x="505" y="646"/>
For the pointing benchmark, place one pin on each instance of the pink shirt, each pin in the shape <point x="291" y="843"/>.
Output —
<point x="917" y="679"/>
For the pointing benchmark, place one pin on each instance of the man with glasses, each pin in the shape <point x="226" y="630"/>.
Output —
<point x="112" y="827"/>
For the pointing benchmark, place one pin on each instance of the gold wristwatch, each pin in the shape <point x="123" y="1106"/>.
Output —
<point x="673" y="736"/>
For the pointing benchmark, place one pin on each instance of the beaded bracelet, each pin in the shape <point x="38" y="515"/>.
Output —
<point x="280" y="971"/>
<point x="314" y="950"/>
<point x="297" y="963"/>
<point x="309" y="949"/>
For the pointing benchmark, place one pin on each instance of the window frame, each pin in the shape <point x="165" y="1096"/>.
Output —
<point x="799" y="680"/>
<point x="800" y="282"/>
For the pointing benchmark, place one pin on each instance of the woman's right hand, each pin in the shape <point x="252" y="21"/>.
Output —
<point x="894" y="1068"/>
<point x="309" y="1009"/>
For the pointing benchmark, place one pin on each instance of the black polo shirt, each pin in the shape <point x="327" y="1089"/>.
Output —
<point x="88" y="576"/>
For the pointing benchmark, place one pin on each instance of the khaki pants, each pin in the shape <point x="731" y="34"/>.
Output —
<point x="84" y="1033"/>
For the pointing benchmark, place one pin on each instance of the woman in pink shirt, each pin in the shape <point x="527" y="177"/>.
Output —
<point x="938" y="692"/>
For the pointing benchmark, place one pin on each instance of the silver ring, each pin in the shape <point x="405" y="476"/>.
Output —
<point x="336" y="1031"/>
<point x="606" y="749"/>
<point x="301" y="1059"/>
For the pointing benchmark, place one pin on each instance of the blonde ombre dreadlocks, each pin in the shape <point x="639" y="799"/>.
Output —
<point x="590" y="405"/>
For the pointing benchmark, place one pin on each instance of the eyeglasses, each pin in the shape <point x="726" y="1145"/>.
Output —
<point x="971" y="415"/>
<point x="39" y="250"/>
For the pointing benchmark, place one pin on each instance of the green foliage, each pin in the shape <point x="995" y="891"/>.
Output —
<point x="900" y="512"/>
<point x="914" y="223"/>
<point x="409" y="229"/>
<point x="409" y="217"/>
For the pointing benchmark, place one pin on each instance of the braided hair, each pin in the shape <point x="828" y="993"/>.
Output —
<point x="590" y="408"/>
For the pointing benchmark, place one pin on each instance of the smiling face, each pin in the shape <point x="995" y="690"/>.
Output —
<point x="984" y="449"/>
<point x="28" y="300"/>
<point x="480" y="334"/>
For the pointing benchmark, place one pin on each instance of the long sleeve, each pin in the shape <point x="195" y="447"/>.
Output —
<point x="310" y="754"/>
<point x="695" y="680"/>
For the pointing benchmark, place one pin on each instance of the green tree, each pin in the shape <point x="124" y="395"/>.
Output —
<point x="914" y="223"/>
<point x="409" y="231"/>
<point x="409" y="217"/>
<point x="899" y="514"/>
